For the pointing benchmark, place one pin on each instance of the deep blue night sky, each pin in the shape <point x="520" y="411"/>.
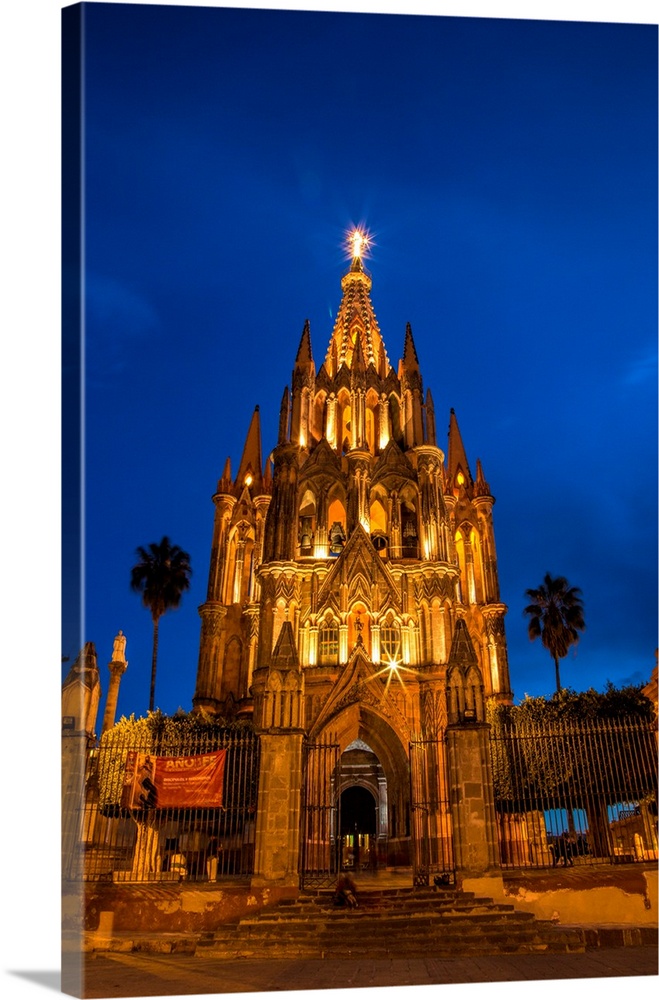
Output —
<point x="508" y="173"/>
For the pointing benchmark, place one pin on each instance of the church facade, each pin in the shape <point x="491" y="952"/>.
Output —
<point x="353" y="608"/>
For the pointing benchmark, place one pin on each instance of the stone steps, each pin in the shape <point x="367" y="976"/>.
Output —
<point x="389" y="923"/>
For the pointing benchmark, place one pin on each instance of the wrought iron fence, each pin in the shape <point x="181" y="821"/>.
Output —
<point x="320" y="859"/>
<point x="576" y="792"/>
<point x="161" y="808"/>
<point x="433" y="826"/>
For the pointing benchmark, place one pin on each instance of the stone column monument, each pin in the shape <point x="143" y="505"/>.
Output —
<point x="117" y="667"/>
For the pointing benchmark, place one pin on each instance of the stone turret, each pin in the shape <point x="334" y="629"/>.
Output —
<point x="81" y="693"/>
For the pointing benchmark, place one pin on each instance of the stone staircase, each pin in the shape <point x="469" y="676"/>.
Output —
<point x="389" y="923"/>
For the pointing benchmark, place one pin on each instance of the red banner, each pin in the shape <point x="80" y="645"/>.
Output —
<point x="152" y="782"/>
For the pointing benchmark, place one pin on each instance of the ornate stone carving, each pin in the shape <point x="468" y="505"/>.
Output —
<point x="495" y="626"/>
<point x="212" y="617"/>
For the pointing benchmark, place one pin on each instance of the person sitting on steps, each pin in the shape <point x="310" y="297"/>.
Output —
<point x="345" y="893"/>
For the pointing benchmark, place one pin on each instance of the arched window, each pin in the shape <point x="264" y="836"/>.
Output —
<point x="239" y="564"/>
<point x="378" y="519"/>
<point x="346" y="428"/>
<point x="410" y="535"/>
<point x="477" y="562"/>
<point x="396" y="429"/>
<point x="328" y="642"/>
<point x="390" y="647"/>
<point x="372" y="420"/>
<point x="307" y="524"/>
<point x="319" y="417"/>
<point x="336" y="521"/>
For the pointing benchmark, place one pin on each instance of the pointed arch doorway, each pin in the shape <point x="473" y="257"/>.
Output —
<point x="355" y="798"/>
<point x="362" y="792"/>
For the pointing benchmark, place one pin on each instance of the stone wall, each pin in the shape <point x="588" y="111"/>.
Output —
<point x="148" y="909"/>
<point x="600" y="896"/>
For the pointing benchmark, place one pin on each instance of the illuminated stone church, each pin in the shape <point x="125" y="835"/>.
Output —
<point x="353" y="596"/>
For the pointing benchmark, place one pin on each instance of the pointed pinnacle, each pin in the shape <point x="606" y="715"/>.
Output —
<point x="304" y="357"/>
<point x="410" y="357"/>
<point x="457" y="456"/>
<point x="251" y="463"/>
<point x="285" y="653"/>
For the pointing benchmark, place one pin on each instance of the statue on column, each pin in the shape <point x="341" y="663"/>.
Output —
<point x="119" y="648"/>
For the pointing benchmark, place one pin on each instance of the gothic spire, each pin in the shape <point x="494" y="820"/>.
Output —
<point x="410" y="357"/>
<point x="355" y="319"/>
<point x="251" y="464"/>
<point x="482" y="486"/>
<point x="457" y="456"/>
<point x="304" y="357"/>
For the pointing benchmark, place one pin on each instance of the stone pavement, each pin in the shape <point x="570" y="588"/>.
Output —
<point x="134" y="974"/>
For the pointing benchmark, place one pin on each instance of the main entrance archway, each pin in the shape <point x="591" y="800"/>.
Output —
<point x="356" y="797"/>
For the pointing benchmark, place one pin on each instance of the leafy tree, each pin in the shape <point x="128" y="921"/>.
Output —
<point x="556" y="617"/>
<point x="161" y="576"/>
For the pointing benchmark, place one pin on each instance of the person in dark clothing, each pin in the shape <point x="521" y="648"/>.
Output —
<point x="563" y="850"/>
<point x="346" y="891"/>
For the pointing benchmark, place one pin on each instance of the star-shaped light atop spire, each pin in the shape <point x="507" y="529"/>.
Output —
<point x="359" y="243"/>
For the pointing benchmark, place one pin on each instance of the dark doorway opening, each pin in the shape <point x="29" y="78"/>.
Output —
<point x="357" y="810"/>
<point x="358" y="828"/>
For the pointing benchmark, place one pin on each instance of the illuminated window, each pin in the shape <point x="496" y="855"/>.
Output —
<point x="328" y="643"/>
<point x="390" y="642"/>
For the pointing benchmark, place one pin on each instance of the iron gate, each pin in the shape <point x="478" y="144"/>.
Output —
<point x="575" y="791"/>
<point x="321" y="822"/>
<point x="108" y="839"/>
<point x="432" y="824"/>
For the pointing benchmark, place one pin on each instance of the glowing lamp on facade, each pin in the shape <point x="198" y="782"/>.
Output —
<point x="460" y="479"/>
<point x="393" y="666"/>
<point x="249" y="479"/>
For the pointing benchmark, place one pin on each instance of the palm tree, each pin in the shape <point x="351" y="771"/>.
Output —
<point x="161" y="576"/>
<point x="556" y="617"/>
